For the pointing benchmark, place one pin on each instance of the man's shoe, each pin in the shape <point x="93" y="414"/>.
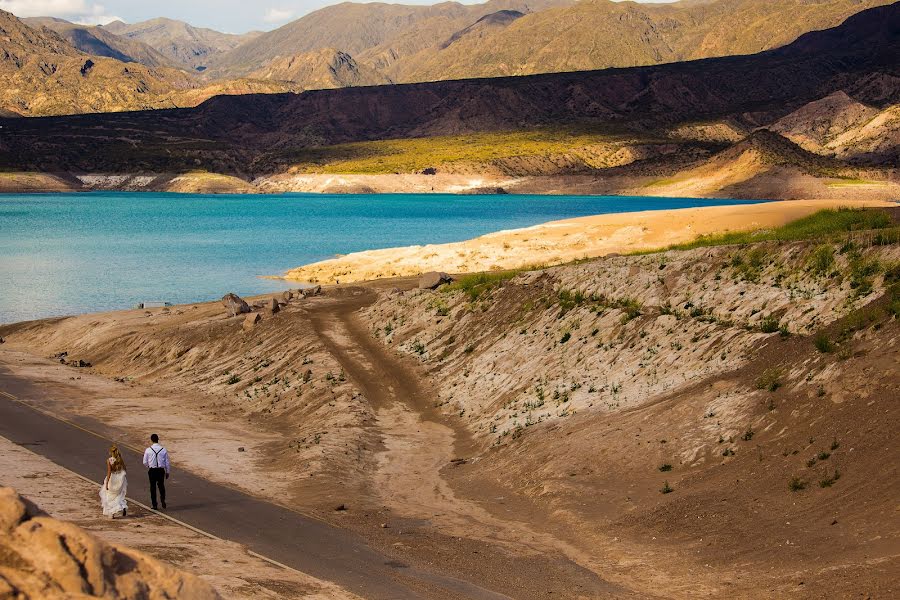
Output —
<point x="164" y="504"/>
<point x="154" y="507"/>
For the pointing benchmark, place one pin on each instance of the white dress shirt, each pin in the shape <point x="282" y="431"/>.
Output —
<point x="156" y="457"/>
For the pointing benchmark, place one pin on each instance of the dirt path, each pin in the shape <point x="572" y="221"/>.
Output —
<point x="417" y="445"/>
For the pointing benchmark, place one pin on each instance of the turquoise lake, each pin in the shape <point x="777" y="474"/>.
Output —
<point x="64" y="254"/>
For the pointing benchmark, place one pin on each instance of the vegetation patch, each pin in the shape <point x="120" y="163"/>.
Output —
<point x="424" y="154"/>
<point x="824" y="224"/>
<point x="478" y="284"/>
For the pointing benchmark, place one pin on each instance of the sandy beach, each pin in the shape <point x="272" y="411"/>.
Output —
<point x="562" y="241"/>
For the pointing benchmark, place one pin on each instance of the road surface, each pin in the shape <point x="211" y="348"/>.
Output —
<point x="296" y="540"/>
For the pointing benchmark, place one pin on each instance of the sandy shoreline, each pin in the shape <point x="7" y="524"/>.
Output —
<point x="562" y="241"/>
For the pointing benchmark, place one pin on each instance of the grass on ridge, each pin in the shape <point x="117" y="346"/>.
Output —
<point x="413" y="155"/>
<point x="476" y="284"/>
<point x="823" y="224"/>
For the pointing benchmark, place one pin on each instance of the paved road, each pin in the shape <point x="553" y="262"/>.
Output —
<point x="296" y="540"/>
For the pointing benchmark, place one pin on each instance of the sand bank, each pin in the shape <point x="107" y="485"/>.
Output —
<point x="562" y="241"/>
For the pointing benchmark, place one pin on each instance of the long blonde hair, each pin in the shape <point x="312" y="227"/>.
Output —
<point x="118" y="463"/>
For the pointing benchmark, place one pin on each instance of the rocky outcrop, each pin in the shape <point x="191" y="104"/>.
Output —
<point x="41" y="558"/>
<point x="251" y="320"/>
<point x="433" y="280"/>
<point x="235" y="305"/>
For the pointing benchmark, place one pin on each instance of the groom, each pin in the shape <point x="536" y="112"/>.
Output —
<point x="156" y="459"/>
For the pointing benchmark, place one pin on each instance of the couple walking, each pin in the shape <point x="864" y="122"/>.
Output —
<point x="115" y="486"/>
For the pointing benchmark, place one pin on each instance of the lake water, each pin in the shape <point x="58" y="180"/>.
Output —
<point x="73" y="253"/>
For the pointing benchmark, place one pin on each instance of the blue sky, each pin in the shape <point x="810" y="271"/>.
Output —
<point x="233" y="16"/>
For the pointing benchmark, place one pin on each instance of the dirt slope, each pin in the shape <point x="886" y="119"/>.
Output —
<point x="549" y="412"/>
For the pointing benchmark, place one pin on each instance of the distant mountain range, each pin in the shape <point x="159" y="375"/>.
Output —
<point x="824" y="103"/>
<point x="166" y="63"/>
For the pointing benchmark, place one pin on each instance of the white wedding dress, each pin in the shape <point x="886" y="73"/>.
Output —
<point x="113" y="499"/>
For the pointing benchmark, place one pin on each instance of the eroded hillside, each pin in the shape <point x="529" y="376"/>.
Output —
<point x="727" y="404"/>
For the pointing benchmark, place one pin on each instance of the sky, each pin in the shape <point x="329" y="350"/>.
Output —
<point x="231" y="16"/>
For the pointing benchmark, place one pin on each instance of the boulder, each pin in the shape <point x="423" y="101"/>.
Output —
<point x="433" y="280"/>
<point x="235" y="305"/>
<point x="272" y="306"/>
<point x="312" y="291"/>
<point x="287" y="296"/>
<point x="251" y="320"/>
<point x="47" y="558"/>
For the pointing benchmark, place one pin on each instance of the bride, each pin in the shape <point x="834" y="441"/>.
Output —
<point x="115" y="486"/>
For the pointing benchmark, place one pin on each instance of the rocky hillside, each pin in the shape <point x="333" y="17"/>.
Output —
<point x="44" y="74"/>
<point x="321" y="69"/>
<point x="612" y="34"/>
<point x="190" y="47"/>
<point x="719" y="399"/>
<point x="99" y="41"/>
<point x="839" y="125"/>
<point x="386" y="32"/>
<point x="453" y="41"/>
<point x="41" y="557"/>
<point x="264" y="135"/>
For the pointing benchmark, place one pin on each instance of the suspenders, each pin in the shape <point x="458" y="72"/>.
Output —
<point x="156" y="455"/>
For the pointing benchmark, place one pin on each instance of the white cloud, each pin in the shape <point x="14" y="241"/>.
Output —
<point x="277" y="15"/>
<point x="78" y="11"/>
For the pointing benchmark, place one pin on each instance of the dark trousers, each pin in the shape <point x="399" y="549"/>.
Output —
<point x="157" y="479"/>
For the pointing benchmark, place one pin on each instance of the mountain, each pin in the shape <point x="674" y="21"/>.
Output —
<point x="596" y="34"/>
<point x="838" y="125"/>
<point x="353" y="28"/>
<point x="190" y="47"/>
<point x="264" y="134"/>
<point x="320" y="69"/>
<point x="41" y="73"/>
<point x="102" y="42"/>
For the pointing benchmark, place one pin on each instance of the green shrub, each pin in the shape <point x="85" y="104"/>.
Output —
<point x="769" y="324"/>
<point x="665" y="467"/>
<point x="477" y="284"/>
<point x="769" y="380"/>
<point x="796" y="484"/>
<point x="829" y="481"/>
<point x="823" y="343"/>
<point x="666" y="488"/>
<point x="233" y="380"/>
<point x="821" y="260"/>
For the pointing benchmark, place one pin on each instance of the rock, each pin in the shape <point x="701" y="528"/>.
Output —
<point x="2" y="341"/>
<point x="47" y="558"/>
<point x="433" y="280"/>
<point x="340" y="507"/>
<point x="312" y="291"/>
<point x="429" y="171"/>
<point x="260" y="304"/>
<point x="79" y="363"/>
<point x="241" y="449"/>
<point x="235" y="305"/>
<point x="287" y="296"/>
<point x="272" y="306"/>
<point x="251" y="320"/>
